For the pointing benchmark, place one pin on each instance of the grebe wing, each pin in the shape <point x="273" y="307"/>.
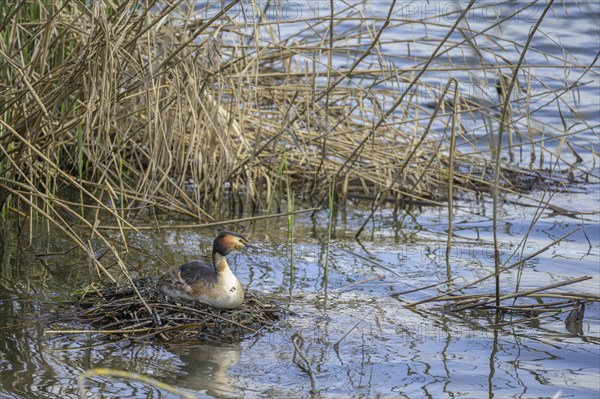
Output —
<point x="197" y="271"/>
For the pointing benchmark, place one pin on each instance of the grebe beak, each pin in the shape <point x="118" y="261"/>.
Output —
<point x="248" y="245"/>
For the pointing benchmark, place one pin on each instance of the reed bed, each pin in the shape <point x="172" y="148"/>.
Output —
<point x="113" y="109"/>
<point x="147" y="104"/>
<point x="143" y="313"/>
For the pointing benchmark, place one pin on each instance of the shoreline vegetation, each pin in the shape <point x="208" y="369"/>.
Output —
<point x="114" y="108"/>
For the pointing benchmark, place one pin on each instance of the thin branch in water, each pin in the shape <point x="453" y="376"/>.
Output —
<point x="304" y="364"/>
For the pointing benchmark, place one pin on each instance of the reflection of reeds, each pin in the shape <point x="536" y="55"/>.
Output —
<point x="128" y="376"/>
<point x="107" y="110"/>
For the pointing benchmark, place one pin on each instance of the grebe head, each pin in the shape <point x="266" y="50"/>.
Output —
<point x="227" y="241"/>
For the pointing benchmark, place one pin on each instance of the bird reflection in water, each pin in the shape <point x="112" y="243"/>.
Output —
<point x="205" y="368"/>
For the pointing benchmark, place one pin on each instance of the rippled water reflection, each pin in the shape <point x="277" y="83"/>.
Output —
<point x="357" y="335"/>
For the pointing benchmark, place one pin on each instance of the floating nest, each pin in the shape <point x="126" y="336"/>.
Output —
<point x="117" y="310"/>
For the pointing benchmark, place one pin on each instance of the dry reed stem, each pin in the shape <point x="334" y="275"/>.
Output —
<point x="504" y="125"/>
<point x="213" y="224"/>
<point x="518" y="294"/>
<point x="475" y="297"/>
<point x="451" y="181"/>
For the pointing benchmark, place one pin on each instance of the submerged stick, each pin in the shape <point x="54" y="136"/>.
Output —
<point x="449" y="281"/>
<point x="373" y="262"/>
<point x="336" y="346"/>
<point x="367" y="280"/>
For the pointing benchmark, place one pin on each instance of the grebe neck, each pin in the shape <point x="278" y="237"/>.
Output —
<point x="219" y="262"/>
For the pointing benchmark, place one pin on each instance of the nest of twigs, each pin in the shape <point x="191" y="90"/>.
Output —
<point x="117" y="310"/>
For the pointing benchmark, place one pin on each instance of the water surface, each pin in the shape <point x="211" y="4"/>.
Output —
<point x="359" y="338"/>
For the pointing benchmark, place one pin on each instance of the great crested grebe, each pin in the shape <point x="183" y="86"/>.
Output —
<point x="215" y="284"/>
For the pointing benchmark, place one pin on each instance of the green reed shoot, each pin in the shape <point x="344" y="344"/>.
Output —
<point x="330" y="205"/>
